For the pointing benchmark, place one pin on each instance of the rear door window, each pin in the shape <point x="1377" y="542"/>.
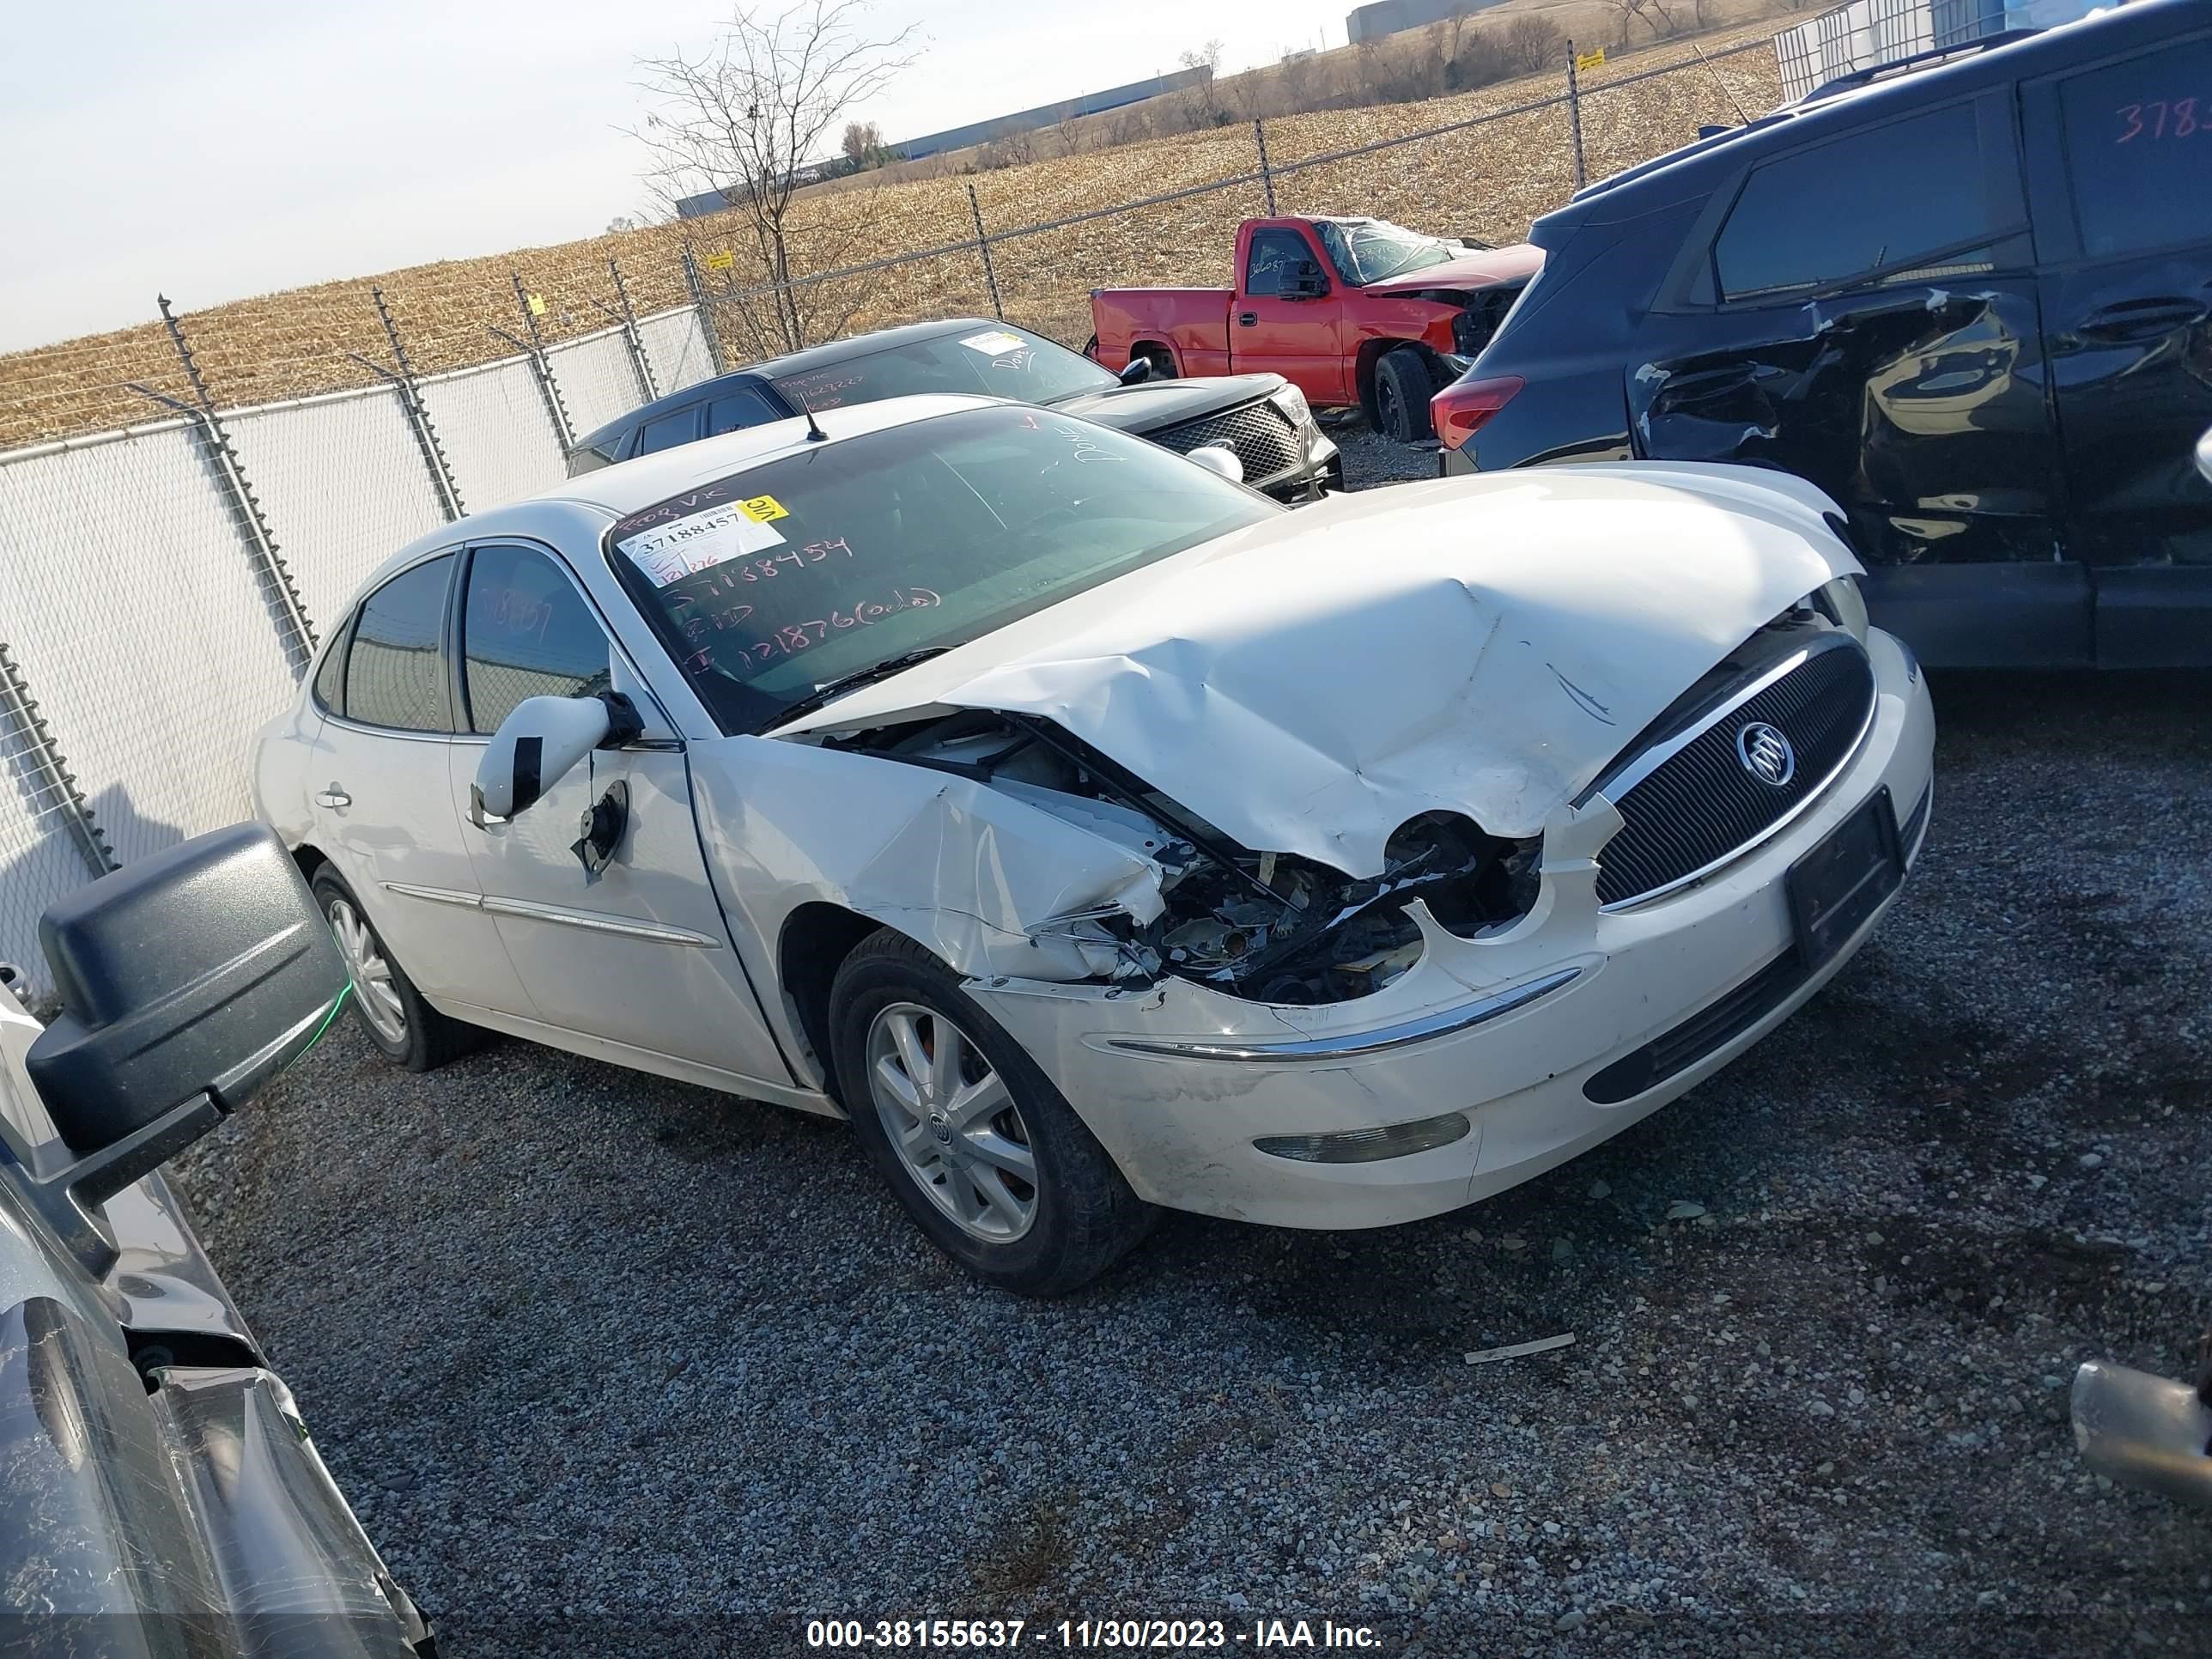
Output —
<point x="668" y="430"/>
<point x="2138" y="137"/>
<point x="739" y="407"/>
<point x="1888" y="199"/>
<point x="395" y="672"/>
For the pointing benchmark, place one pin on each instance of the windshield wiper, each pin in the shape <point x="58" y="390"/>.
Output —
<point x="830" y="690"/>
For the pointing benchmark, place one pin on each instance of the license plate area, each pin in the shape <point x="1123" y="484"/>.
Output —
<point x="1834" y="888"/>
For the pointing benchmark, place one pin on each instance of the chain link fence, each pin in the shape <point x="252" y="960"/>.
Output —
<point x="161" y="587"/>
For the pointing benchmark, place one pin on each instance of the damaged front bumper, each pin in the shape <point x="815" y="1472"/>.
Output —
<point x="1527" y="1031"/>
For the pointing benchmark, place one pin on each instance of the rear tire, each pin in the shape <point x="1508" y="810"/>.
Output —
<point x="985" y="1153"/>
<point x="1090" y="348"/>
<point x="406" y="1030"/>
<point x="1161" y="360"/>
<point x="1402" y="390"/>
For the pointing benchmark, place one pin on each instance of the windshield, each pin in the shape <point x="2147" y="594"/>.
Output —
<point x="775" y="580"/>
<point x="1368" y="250"/>
<point x="998" y="361"/>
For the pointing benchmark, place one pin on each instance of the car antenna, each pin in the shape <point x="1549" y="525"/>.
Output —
<point x="815" y="435"/>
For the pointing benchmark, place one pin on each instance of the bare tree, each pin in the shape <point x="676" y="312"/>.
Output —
<point x="1197" y="101"/>
<point x="862" y="145"/>
<point x="1062" y="137"/>
<point x="745" y="115"/>
<point x="1532" y="43"/>
<point x="1296" y="76"/>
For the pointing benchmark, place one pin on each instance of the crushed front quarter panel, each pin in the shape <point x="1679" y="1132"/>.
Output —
<point x="1482" y="645"/>
<point x="960" y="867"/>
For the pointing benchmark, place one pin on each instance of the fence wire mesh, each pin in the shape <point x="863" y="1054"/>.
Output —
<point x="40" y="860"/>
<point x="597" y="377"/>
<point x="344" y="481"/>
<point x="676" y="345"/>
<point x="126" y="591"/>
<point x="497" y="435"/>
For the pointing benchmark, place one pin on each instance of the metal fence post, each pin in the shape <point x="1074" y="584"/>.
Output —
<point x="245" y="507"/>
<point x="536" y="349"/>
<point x="630" y="336"/>
<point x="418" y="417"/>
<point x="1267" y="174"/>
<point x="983" y="242"/>
<point x="1574" y="114"/>
<point x="50" y="777"/>
<point x="704" y="312"/>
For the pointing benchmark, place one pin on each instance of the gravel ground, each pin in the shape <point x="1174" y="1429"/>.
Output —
<point x="612" y="1365"/>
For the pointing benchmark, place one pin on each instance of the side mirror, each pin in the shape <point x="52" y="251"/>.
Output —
<point x="187" y="981"/>
<point x="2205" y="455"/>
<point x="1136" y="372"/>
<point x="540" y="744"/>
<point x="1308" y="283"/>
<point x="1220" y="461"/>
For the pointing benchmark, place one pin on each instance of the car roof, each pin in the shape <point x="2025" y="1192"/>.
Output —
<point x="1836" y="108"/>
<point x="794" y="362"/>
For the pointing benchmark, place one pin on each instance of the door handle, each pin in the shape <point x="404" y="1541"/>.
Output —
<point x="2141" y="319"/>
<point x="334" y="796"/>
<point x="1248" y="320"/>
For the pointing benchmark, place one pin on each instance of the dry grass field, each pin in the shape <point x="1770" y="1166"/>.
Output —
<point x="1486" y="181"/>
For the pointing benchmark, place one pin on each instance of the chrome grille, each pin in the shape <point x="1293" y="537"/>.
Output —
<point x="1701" y="804"/>
<point x="1259" y="433"/>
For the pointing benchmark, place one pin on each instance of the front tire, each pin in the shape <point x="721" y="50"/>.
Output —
<point x="985" y="1153"/>
<point x="1402" y="390"/>
<point x="406" y="1030"/>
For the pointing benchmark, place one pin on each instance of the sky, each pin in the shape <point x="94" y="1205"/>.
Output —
<point x="211" y="153"/>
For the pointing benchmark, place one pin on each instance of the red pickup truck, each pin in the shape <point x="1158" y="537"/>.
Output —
<point x="1351" y="311"/>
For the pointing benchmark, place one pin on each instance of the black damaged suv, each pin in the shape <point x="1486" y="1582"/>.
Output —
<point x="1970" y="298"/>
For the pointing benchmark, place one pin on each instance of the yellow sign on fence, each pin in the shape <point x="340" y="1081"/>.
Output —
<point x="1589" y="60"/>
<point x="537" y="305"/>
<point x="721" y="261"/>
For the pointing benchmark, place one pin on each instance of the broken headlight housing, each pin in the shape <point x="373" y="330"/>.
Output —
<point x="1844" y="605"/>
<point x="1292" y="402"/>
<point x="1261" y="925"/>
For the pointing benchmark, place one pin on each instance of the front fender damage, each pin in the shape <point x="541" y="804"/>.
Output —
<point x="961" y="868"/>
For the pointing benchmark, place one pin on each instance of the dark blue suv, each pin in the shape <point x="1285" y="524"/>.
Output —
<point x="1970" y="299"/>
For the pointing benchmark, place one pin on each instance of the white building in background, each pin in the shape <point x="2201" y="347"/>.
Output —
<point x="1866" y="34"/>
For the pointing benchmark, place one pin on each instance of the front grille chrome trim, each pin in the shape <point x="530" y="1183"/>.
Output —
<point x="1638" y="771"/>
<point x="1744" y="848"/>
<point x="1659" y="753"/>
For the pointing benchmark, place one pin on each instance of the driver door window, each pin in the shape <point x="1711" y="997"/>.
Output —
<point x="525" y="632"/>
<point x="1275" y="263"/>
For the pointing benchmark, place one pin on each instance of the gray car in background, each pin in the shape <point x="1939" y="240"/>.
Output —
<point x="1261" y="419"/>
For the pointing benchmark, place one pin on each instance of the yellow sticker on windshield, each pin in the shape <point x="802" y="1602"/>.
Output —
<point x="761" y="508"/>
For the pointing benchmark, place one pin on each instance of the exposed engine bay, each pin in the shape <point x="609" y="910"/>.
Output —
<point x="1268" y="927"/>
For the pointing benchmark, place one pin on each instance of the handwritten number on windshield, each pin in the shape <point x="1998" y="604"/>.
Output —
<point x="795" y="637"/>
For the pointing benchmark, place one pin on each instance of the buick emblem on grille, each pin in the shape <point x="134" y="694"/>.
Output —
<point x="1766" y="753"/>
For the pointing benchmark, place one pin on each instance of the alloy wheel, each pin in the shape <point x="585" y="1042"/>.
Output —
<point x="372" y="974"/>
<point x="953" y="1122"/>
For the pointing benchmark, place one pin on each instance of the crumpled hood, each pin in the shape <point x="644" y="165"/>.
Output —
<point x="1483" y="268"/>
<point x="1482" y="645"/>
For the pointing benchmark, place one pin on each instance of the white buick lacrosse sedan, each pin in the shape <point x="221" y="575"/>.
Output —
<point x="1097" y="834"/>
